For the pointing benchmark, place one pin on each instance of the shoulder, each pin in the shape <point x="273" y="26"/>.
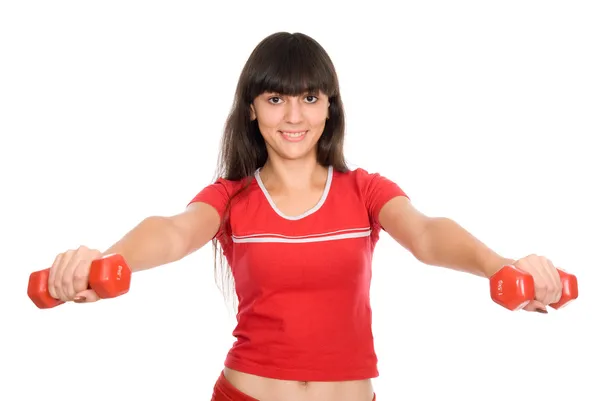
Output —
<point x="352" y="175"/>
<point x="220" y="192"/>
<point x="368" y="181"/>
<point x="229" y="186"/>
<point x="374" y="189"/>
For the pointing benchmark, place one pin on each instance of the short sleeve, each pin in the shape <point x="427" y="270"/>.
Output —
<point x="377" y="190"/>
<point x="217" y="195"/>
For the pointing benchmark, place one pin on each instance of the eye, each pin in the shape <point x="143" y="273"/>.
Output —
<point x="274" y="97"/>
<point x="313" y="97"/>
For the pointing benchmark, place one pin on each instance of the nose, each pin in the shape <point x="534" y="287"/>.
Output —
<point x="294" y="111"/>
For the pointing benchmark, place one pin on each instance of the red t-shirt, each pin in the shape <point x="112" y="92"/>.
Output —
<point x="303" y="282"/>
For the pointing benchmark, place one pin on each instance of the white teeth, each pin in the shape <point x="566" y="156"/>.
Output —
<point x="293" y="134"/>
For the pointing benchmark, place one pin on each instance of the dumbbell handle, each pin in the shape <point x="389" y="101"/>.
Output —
<point x="109" y="277"/>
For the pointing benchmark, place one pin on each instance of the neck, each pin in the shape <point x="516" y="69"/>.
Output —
<point x="291" y="174"/>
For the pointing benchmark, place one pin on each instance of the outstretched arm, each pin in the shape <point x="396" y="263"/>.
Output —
<point x="153" y="242"/>
<point x="438" y="241"/>
<point x="160" y="240"/>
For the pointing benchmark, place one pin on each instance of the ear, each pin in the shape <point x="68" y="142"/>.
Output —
<point x="252" y="113"/>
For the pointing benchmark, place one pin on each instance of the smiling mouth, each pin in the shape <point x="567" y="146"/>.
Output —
<point x="293" y="135"/>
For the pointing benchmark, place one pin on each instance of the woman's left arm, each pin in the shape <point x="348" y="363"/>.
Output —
<point x="440" y="241"/>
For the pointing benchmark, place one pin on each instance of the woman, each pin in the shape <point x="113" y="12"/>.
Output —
<point x="298" y="229"/>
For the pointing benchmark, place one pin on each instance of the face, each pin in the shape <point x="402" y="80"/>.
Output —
<point x="291" y="125"/>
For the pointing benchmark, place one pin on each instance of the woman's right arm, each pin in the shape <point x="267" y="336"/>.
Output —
<point x="153" y="242"/>
<point x="160" y="240"/>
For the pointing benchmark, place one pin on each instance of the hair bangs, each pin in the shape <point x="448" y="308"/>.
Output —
<point x="291" y="65"/>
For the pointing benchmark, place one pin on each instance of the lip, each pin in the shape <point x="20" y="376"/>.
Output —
<point x="287" y="137"/>
<point x="293" y="131"/>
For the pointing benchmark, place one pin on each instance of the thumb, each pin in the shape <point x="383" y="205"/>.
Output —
<point x="536" y="306"/>
<point x="86" y="296"/>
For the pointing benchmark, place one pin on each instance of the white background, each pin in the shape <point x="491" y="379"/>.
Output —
<point x="485" y="112"/>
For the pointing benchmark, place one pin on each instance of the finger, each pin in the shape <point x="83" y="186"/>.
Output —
<point x="67" y="278"/>
<point x="86" y="296"/>
<point x="81" y="276"/>
<point x="80" y="257"/>
<point x="538" y="279"/>
<point x="60" y="271"/>
<point x="535" y="306"/>
<point x="52" y="276"/>
<point x="553" y="271"/>
<point x="68" y="273"/>
<point x="549" y="282"/>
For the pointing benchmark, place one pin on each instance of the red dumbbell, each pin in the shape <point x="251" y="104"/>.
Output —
<point x="109" y="277"/>
<point x="513" y="288"/>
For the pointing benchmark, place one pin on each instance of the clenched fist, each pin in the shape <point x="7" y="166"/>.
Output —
<point x="548" y="286"/>
<point x="68" y="278"/>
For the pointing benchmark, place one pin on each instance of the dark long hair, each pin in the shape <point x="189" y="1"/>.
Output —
<point x="290" y="64"/>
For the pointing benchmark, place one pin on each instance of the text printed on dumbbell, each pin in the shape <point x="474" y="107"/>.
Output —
<point x="499" y="288"/>
<point x="119" y="272"/>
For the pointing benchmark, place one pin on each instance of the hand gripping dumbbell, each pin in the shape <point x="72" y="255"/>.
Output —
<point x="109" y="277"/>
<point x="513" y="288"/>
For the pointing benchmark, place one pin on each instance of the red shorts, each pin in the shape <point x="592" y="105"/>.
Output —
<point x="225" y="391"/>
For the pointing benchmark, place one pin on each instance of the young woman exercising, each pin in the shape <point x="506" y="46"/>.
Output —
<point x="298" y="229"/>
